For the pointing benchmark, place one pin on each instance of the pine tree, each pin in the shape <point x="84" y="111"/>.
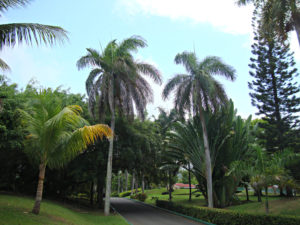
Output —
<point x="274" y="89"/>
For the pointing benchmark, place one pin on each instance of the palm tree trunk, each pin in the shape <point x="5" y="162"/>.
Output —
<point x="39" y="192"/>
<point x="126" y="180"/>
<point x="136" y="185"/>
<point x="170" y="186"/>
<point x="119" y="182"/>
<point x="92" y="193"/>
<point x="110" y="150"/>
<point x="190" y="185"/>
<point x="207" y="161"/>
<point x="143" y="183"/>
<point x="132" y="183"/>
<point x="267" y="200"/>
<point x="247" y="192"/>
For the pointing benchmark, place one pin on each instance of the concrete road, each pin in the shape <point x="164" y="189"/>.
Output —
<point x="139" y="214"/>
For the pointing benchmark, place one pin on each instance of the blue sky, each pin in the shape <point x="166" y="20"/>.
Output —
<point x="208" y="27"/>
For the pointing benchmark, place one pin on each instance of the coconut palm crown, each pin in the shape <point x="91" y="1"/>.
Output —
<point x="56" y="135"/>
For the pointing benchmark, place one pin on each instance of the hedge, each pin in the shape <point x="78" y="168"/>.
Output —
<point x="224" y="217"/>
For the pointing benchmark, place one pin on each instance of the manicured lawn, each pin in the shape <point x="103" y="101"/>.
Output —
<point x="16" y="210"/>
<point x="277" y="205"/>
<point x="180" y="196"/>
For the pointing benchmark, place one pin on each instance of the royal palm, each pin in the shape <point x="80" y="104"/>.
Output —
<point x="199" y="90"/>
<point x="115" y="83"/>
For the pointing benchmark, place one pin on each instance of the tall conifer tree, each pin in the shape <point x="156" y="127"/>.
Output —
<point x="274" y="89"/>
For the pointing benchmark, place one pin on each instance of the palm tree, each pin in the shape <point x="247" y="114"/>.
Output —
<point x="198" y="90"/>
<point x="116" y="83"/>
<point x="282" y="16"/>
<point x="56" y="135"/>
<point x="13" y="33"/>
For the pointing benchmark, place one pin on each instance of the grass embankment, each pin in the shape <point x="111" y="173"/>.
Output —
<point x="17" y="210"/>
<point x="277" y="205"/>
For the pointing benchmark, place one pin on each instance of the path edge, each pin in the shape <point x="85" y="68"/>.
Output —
<point x="172" y="212"/>
<point x="120" y="215"/>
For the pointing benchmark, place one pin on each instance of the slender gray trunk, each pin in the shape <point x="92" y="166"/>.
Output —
<point x="132" y="183"/>
<point x="110" y="152"/>
<point x="170" y="186"/>
<point x="190" y="183"/>
<point x="267" y="200"/>
<point x="143" y="183"/>
<point x="126" y="180"/>
<point x="92" y="193"/>
<point x="136" y="185"/>
<point x="207" y="162"/>
<point x="119" y="182"/>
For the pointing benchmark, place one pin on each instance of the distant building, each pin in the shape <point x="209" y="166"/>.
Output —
<point x="183" y="186"/>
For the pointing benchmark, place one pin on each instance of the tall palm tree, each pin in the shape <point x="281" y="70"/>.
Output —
<point x="116" y="83"/>
<point x="13" y="33"/>
<point x="282" y="16"/>
<point x="56" y="135"/>
<point x="199" y="90"/>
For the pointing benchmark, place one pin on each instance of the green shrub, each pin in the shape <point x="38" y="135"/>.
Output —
<point x="225" y="217"/>
<point x="128" y="193"/>
<point x="125" y="194"/>
<point x="114" y="194"/>
<point x="141" y="197"/>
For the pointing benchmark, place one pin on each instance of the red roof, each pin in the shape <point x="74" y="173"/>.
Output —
<point x="184" y="185"/>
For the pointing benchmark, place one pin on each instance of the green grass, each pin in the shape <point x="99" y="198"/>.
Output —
<point x="180" y="196"/>
<point x="277" y="205"/>
<point x="16" y="210"/>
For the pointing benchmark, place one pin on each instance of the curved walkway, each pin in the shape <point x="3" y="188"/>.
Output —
<point x="140" y="214"/>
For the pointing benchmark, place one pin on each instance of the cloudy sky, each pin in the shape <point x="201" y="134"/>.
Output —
<point x="208" y="27"/>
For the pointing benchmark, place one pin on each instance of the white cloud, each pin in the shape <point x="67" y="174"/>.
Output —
<point x="25" y="66"/>
<point x="225" y="15"/>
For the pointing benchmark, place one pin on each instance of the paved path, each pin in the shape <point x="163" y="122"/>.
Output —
<point x="139" y="214"/>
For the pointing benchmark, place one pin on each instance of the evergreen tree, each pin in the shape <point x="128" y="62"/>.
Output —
<point x="273" y="89"/>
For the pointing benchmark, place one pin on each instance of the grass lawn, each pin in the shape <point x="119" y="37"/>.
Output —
<point x="180" y="196"/>
<point x="277" y="205"/>
<point x="16" y="210"/>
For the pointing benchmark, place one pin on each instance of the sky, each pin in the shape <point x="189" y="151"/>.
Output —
<point x="206" y="27"/>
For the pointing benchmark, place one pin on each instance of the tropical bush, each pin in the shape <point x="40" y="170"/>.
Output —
<point x="141" y="197"/>
<point x="229" y="138"/>
<point x="125" y="194"/>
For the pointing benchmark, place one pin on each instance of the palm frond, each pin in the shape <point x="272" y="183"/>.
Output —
<point x="130" y="44"/>
<point x="215" y="66"/>
<point x="173" y="83"/>
<point x="6" y="4"/>
<point x="188" y="60"/>
<point x="90" y="59"/>
<point x="13" y="33"/>
<point x="150" y="71"/>
<point x="4" y="66"/>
